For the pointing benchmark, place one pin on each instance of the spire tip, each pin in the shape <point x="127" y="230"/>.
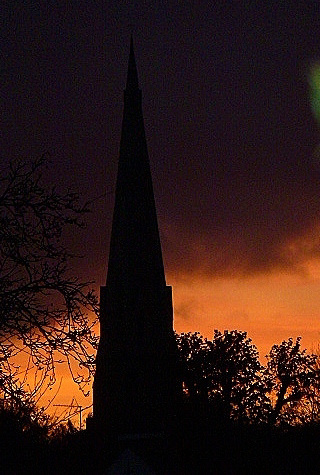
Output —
<point x="132" y="77"/>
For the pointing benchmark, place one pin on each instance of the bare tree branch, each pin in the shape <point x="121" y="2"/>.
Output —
<point x="45" y="311"/>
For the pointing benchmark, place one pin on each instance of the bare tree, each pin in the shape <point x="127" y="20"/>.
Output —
<point x="45" y="311"/>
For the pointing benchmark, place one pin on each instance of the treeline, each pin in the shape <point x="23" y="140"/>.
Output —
<point x="226" y="374"/>
<point x="235" y="414"/>
<point x="240" y="416"/>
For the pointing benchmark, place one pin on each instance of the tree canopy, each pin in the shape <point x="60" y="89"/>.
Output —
<point x="293" y="377"/>
<point x="226" y="372"/>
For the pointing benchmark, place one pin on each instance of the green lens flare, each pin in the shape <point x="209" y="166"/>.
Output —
<point x="314" y="83"/>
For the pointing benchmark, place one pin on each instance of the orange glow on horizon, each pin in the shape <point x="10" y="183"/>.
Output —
<point x="270" y="308"/>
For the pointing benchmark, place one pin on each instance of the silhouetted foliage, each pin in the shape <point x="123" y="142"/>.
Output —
<point x="237" y="376"/>
<point x="271" y="413"/>
<point x="22" y="416"/>
<point x="31" y="441"/>
<point x="293" y="378"/>
<point x="44" y="309"/>
<point x="226" y="372"/>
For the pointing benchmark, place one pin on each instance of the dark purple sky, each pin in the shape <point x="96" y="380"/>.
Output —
<point x="228" y="120"/>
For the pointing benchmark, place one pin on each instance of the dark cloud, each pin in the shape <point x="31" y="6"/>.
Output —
<point x="229" y="126"/>
<point x="255" y="219"/>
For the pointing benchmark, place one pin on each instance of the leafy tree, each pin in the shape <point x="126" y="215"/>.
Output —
<point x="309" y="407"/>
<point x="225" y="371"/>
<point x="194" y="370"/>
<point x="44" y="309"/>
<point x="292" y="376"/>
<point x="237" y="378"/>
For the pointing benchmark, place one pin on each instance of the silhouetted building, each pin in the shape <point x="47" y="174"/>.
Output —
<point x="134" y="386"/>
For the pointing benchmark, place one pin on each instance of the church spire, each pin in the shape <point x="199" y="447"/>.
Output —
<point x="134" y="384"/>
<point x="135" y="256"/>
<point x="132" y="76"/>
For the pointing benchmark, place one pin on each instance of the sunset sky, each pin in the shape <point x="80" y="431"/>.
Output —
<point x="231" y="100"/>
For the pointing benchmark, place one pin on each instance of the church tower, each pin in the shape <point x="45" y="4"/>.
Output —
<point x="134" y="386"/>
